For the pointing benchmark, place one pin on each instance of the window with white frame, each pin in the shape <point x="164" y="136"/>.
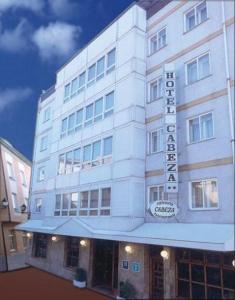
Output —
<point x="41" y="174"/>
<point x="94" y="112"/>
<point x="95" y="202"/>
<point x="156" y="193"/>
<point x="98" y="114"/>
<point x="66" y="92"/>
<point x="12" y="241"/>
<point x="76" y="160"/>
<point x="198" y="68"/>
<point x="71" y="123"/>
<point x="87" y="153"/>
<point x="15" y="202"/>
<point x="46" y="114"/>
<point x="204" y="194"/>
<point x="92" y="156"/>
<point x="66" y="204"/>
<point x="100" y="68"/>
<point x="10" y="170"/>
<point x="69" y="162"/>
<point x="91" y="75"/>
<point x="96" y="153"/>
<point x="89" y="114"/>
<point x="23" y="178"/>
<point x="37" y="205"/>
<point x="64" y="126"/>
<point x="44" y="143"/>
<point x="195" y="16"/>
<point x="81" y="82"/>
<point x="156" y="141"/>
<point x="156" y="89"/>
<point x="79" y="119"/>
<point x="107" y="146"/>
<point x="158" y="41"/>
<point x="109" y="102"/>
<point x="111" y="60"/>
<point x="200" y="128"/>
<point x="105" y="201"/>
<point x="74" y="86"/>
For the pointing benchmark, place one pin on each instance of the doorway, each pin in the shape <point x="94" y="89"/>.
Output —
<point x="105" y="265"/>
<point x="156" y="273"/>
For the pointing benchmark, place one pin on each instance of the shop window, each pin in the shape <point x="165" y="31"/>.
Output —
<point x="72" y="252"/>
<point x="205" y="274"/>
<point x="40" y="242"/>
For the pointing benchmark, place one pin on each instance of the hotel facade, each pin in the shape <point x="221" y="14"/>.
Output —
<point x="133" y="168"/>
<point x="15" y="172"/>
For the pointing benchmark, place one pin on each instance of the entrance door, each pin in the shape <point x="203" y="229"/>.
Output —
<point x="156" y="274"/>
<point x="105" y="264"/>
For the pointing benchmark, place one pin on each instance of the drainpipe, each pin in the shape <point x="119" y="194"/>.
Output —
<point x="33" y="160"/>
<point x="228" y="78"/>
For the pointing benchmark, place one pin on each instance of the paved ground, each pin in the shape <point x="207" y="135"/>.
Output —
<point x="33" y="284"/>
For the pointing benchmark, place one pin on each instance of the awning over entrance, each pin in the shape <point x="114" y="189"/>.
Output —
<point x="217" y="237"/>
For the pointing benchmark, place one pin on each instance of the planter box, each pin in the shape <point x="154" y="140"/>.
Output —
<point x="79" y="284"/>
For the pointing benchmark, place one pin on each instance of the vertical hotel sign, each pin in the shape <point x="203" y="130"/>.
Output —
<point x="171" y="164"/>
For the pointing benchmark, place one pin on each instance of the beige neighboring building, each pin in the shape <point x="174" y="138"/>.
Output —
<point x="15" y="171"/>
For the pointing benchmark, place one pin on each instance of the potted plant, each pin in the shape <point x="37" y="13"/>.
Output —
<point x="80" y="278"/>
<point x="127" y="290"/>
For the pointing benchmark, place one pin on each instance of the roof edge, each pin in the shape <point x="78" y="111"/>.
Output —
<point x="11" y="148"/>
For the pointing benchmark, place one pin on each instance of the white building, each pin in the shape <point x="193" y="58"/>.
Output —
<point x="100" y="156"/>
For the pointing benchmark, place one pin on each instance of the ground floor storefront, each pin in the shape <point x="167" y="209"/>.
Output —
<point x="12" y="247"/>
<point x="155" y="272"/>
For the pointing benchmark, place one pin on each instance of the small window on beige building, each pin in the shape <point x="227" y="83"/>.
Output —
<point x="12" y="241"/>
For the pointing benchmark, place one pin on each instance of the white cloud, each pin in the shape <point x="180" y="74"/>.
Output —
<point x="9" y="97"/>
<point x="57" y="40"/>
<point x="17" y="39"/>
<point x="33" y="5"/>
<point x="63" y="8"/>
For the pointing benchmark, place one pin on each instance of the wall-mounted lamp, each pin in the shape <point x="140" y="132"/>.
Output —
<point x="29" y="235"/>
<point x="233" y="262"/>
<point x="83" y="243"/>
<point x="164" y="254"/>
<point x="128" y="249"/>
<point x="4" y="203"/>
<point x="54" y="238"/>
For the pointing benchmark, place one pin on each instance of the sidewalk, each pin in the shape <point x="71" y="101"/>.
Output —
<point x="33" y="284"/>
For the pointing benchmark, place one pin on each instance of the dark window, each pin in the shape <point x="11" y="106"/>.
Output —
<point x="205" y="274"/>
<point x="197" y="273"/>
<point x="183" y="271"/>
<point x="72" y="252"/>
<point x="183" y="289"/>
<point x="41" y="245"/>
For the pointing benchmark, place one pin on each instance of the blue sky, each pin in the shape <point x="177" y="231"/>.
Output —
<point x="36" y="38"/>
